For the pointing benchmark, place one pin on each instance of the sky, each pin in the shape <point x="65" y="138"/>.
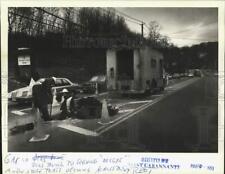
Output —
<point x="184" y="26"/>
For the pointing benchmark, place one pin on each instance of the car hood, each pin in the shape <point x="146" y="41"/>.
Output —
<point x="27" y="88"/>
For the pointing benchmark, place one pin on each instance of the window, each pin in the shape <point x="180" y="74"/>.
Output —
<point x="153" y="63"/>
<point x="58" y="82"/>
<point x="94" y="79"/>
<point x="65" y="82"/>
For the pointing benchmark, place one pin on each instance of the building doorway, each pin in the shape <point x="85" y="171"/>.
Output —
<point x="125" y="64"/>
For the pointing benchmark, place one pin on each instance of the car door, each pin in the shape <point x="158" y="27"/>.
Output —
<point x="67" y="84"/>
<point x="62" y="83"/>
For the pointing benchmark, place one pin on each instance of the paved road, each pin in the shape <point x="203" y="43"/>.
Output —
<point x="172" y="121"/>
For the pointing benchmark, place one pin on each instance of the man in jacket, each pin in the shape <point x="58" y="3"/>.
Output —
<point x="42" y="97"/>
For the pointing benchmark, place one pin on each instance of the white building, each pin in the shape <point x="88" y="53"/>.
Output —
<point x="134" y="70"/>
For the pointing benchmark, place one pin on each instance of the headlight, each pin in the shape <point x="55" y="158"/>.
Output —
<point x="24" y="93"/>
<point x="14" y="94"/>
<point x="9" y="95"/>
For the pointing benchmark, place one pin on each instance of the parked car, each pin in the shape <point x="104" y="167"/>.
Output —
<point x="176" y="76"/>
<point x="190" y="74"/>
<point x="90" y="86"/>
<point x="169" y="76"/>
<point x="24" y="95"/>
<point x="197" y="73"/>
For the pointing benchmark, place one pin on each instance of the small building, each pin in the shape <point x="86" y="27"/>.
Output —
<point x="134" y="70"/>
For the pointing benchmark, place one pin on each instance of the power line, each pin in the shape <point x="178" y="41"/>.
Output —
<point x="130" y="19"/>
<point x="181" y="31"/>
<point x="78" y="25"/>
<point x="146" y="27"/>
<point x="35" y="20"/>
<point x="196" y="39"/>
<point x="124" y="14"/>
<point x="185" y="38"/>
<point x="191" y="29"/>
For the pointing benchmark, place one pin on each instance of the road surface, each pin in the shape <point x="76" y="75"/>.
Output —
<point x="183" y="118"/>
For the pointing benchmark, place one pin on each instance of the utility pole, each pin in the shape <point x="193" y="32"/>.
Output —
<point x="142" y="29"/>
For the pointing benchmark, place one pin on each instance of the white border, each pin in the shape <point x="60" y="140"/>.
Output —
<point x="215" y="158"/>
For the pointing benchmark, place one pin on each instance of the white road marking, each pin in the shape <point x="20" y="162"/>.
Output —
<point x="157" y="95"/>
<point x="137" y="102"/>
<point x="126" y="110"/>
<point x="134" y="102"/>
<point x="96" y="95"/>
<point x="21" y="112"/>
<point x="18" y="113"/>
<point x="78" y="130"/>
<point x="74" y="121"/>
<point x="27" y="109"/>
<point x="124" y="117"/>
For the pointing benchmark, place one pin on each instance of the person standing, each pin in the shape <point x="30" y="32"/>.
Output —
<point x="42" y="97"/>
<point x="64" y="107"/>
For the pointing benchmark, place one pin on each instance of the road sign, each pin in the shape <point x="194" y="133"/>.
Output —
<point x="24" y="60"/>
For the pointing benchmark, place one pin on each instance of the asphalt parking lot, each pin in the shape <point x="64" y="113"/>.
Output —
<point x="93" y="134"/>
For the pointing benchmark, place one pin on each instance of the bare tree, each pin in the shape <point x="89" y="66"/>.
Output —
<point x="11" y="18"/>
<point x="70" y="17"/>
<point x="52" y="20"/>
<point x="38" y="28"/>
<point x="164" y="41"/>
<point x="155" y="37"/>
<point x="154" y="31"/>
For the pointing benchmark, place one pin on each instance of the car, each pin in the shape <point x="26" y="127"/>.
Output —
<point x="169" y="76"/>
<point x="197" y="73"/>
<point x="176" y="76"/>
<point x="190" y="74"/>
<point x="90" y="86"/>
<point x="24" y="95"/>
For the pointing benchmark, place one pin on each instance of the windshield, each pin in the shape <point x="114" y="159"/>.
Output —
<point x="93" y="79"/>
<point x="41" y="80"/>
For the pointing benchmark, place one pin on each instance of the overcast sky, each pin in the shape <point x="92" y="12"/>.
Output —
<point x="184" y="26"/>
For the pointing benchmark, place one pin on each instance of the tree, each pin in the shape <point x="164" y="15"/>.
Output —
<point x="164" y="41"/>
<point x="11" y="18"/>
<point x="69" y="16"/>
<point x="154" y="32"/>
<point x="52" y="20"/>
<point x="155" y="38"/>
<point x="102" y="22"/>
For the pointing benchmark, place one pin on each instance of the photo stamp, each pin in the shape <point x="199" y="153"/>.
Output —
<point x="113" y="87"/>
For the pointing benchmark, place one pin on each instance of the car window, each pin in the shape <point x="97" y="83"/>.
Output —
<point x="65" y="82"/>
<point x="101" y="78"/>
<point x="58" y="82"/>
<point x="93" y="79"/>
<point x="41" y="80"/>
